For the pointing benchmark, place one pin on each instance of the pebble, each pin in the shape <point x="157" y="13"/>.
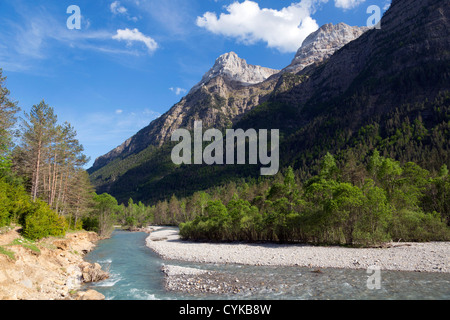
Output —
<point x="424" y="257"/>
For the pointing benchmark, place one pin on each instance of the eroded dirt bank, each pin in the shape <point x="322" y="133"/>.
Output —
<point x="50" y="269"/>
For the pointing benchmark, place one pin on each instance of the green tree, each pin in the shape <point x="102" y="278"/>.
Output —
<point x="43" y="222"/>
<point x="344" y="209"/>
<point x="37" y="133"/>
<point x="329" y="168"/>
<point x="377" y="213"/>
<point x="436" y="196"/>
<point x="80" y="198"/>
<point x="174" y="210"/>
<point x="4" y="204"/>
<point x="243" y="220"/>
<point x="218" y="220"/>
<point x="104" y="213"/>
<point x="8" y="111"/>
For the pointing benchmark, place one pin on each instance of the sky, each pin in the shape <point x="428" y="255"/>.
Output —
<point x="111" y="67"/>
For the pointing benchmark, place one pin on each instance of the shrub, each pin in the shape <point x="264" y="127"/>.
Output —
<point x="43" y="222"/>
<point x="417" y="226"/>
<point x="90" y="224"/>
<point x="74" y="224"/>
<point x="4" y="213"/>
<point x="15" y="203"/>
<point x="5" y="204"/>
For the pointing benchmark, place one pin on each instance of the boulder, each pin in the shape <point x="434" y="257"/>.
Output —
<point x="92" y="272"/>
<point x="90" y="295"/>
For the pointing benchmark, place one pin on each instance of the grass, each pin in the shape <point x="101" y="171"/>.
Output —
<point x="19" y="242"/>
<point x="26" y="244"/>
<point x="7" y="253"/>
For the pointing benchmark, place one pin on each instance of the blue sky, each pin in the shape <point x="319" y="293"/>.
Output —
<point x="132" y="60"/>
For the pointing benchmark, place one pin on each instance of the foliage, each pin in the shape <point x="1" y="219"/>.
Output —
<point x="391" y="203"/>
<point x="8" y="112"/>
<point x="41" y="180"/>
<point x="43" y="222"/>
<point x="134" y="215"/>
<point x="105" y="209"/>
<point x="7" y="253"/>
<point x="26" y="243"/>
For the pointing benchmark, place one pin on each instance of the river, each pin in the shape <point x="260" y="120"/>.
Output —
<point x="136" y="275"/>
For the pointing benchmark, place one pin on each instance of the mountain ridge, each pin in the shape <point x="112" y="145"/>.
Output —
<point x="229" y="76"/>
<point x="233" y="68"/>
<point x="387" y="89"/>
<point x="322" y="44"/>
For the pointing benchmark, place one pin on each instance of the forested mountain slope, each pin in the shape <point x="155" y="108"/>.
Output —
<point x="389" y="89"/>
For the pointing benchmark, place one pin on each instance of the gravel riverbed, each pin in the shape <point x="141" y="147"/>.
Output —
<point x="420" y="257"/>
<point x="166" y="242"/>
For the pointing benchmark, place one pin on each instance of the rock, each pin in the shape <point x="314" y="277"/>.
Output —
<point x="169" y="271"/>
<point x="322" y="44"/>
<point x="61" y="244"/>
<point x="228" y="90"/>
<point x="233" y="68"/>
<point x="90" y="295"/>
<point x="27" y="283"/>
<point x="59" y="282"/>
<point x="318" y="271"/>
<point x="135" y="229"/>
<point x="93" y="273"/>
<point x="50" y="275"/>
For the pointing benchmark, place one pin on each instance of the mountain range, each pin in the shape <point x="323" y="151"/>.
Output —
<point x="347" y="91"/>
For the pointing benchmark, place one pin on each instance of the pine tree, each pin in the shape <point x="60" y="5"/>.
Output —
<point x="8" y="111"/>
<point x="80" y="199"/>
<point x="36" y="138"/>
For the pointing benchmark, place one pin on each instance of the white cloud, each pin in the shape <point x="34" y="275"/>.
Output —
<point x="283" y="29"/>
<point x="347" y="4"/>
<point x="34" y="37"/>
<point x="116" y="8"/>
<point x="136" y="36"/>
<point x="31" y="37"/>
<point x="178" y="91"/>
<point x="119" y="111"/>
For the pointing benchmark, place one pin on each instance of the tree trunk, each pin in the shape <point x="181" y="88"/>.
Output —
<point x="36" y="178"/>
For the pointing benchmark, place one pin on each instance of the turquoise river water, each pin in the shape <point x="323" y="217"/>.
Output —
<point x="136" y="275"/>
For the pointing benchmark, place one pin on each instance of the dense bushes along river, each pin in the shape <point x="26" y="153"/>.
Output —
<point x="351" y="205"/>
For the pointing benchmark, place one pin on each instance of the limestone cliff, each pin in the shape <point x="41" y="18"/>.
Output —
<point x="232" y="68"/>
<point x="229" y="89"/>
<point x="322" y="44"/>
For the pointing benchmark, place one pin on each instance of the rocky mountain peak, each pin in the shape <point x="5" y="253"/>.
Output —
<point x="323" y="43"/>
<point x="231" y="67"/>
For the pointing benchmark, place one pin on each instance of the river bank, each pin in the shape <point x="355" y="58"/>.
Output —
<point x="50" y="269"/>
<point x="418" y="257"/>
<point x="430" y="258"/>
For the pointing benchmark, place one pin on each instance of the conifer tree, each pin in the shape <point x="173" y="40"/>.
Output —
<point x="37" y="131"/>
<point x="8" y="111"/>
